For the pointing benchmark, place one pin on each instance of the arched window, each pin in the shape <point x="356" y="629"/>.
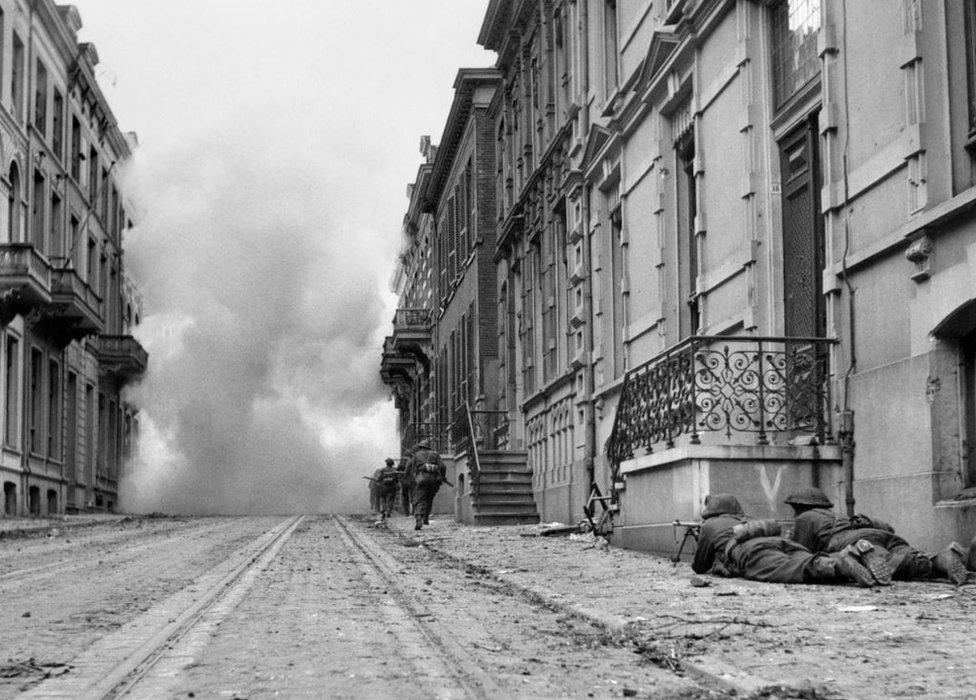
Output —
<point x="13" y="205"/>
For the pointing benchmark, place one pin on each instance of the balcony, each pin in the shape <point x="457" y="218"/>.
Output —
<point x="121" y="355"/>
<point x="25" y="279"/>
<point x="412" y="334"/>
<point x="725" y="390"/>
<point x="74" y="303"/>
<point x="394" y="367"/>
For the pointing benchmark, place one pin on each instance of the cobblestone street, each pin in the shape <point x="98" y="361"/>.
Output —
<point x="343" y="607"/>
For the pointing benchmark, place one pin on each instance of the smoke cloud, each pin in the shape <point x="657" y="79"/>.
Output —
<point x="265" y="310"/>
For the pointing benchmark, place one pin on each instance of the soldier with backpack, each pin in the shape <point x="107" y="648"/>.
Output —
<point x="387" y="484"/>
<point x="426" y="472"/>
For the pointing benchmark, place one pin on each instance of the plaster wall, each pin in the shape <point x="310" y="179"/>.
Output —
<point x="673" y="484"/>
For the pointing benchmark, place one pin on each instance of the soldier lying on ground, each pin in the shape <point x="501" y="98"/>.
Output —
<point x="820" y="529"/>
<point x="388" y="483"/>
<point x="731" y="545"/>
<point x="426" y="472"/>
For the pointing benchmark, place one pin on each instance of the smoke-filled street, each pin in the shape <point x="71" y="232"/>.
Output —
<point x="339" y="606"/>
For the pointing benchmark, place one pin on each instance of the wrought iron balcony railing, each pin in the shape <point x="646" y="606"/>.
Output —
<point x="775" y="388"/>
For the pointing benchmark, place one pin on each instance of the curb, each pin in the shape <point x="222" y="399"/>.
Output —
<point x="711" y="671"/>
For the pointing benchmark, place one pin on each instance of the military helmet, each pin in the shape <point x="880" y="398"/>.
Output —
<point x="390" y="461"/>
<point x="721" y="504"/>
<point x="809" y="496"/>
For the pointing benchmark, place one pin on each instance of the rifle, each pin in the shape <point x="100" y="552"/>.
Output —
<point x="692" y="529"/>
<point x="369" y="478"/>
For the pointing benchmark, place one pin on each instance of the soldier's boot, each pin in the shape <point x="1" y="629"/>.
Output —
<point x="971" y="556"/>
<point x="950" y="563"/>
<point x="419" y="522"/>
<point x="876" y="559"/>
<point x="849" y="565"/>
<point x="426" y="520"/>
<point x="822" y="569"/>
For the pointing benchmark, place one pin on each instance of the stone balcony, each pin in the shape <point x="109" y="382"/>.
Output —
<point x="412" y="334"/>
<point x="74" y="304"/>
<point x="121" y="355"/>
<point x="25" y="280"/>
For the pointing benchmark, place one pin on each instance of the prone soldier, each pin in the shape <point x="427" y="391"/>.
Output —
<point x="818" y="528"/>
<point x="731" y="545"/>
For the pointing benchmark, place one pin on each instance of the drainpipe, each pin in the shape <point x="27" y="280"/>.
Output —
<point x="846" y="430"/>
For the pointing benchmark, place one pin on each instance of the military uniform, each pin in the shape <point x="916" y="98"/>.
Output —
<point x="387" y="482"/>
<point x="732" y="545"/>
<point x="405" y="486"/>
<point x="818" y="528"/>
<point x="374" y="492"/>
<point x="425" y="472"/>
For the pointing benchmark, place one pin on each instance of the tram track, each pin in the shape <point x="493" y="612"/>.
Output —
<point x="115" y="665"/>
<point x="457" y="666"/>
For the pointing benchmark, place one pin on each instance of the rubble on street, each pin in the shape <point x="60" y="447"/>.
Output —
<point x="912" y="639"/>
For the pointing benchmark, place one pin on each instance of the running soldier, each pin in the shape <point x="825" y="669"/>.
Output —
<point x="425" y="472"/>
<point x="731" y="545"/>
<point x="388" y="483"/>
<point x="818" y="528"/>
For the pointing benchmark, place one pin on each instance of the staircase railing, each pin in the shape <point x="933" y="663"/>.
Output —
<point x="478" y="430"/>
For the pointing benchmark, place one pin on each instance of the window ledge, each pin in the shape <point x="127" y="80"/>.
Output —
<point x="952" y="504"/>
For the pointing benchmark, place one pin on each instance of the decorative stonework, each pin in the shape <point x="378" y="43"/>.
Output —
<point x="920" y="253"/>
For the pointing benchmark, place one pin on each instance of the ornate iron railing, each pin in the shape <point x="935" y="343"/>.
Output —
<point x="772" y="387"/>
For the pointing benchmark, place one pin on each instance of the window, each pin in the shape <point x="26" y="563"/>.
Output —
<point x="617" y="279"/>
<point x="37" y="215"/>
<point x="11" y="393"/>
<point x="57" y="125"/>
<point x="17" y="79"/>
<point x="76" y="150"/>
<point x="550" y="315"/>
<point x="14" y="205"/>
<point x="40" y="98"/>
<point x="54" y="410"/>
<point x="103" y="199"/>
<point x="795" y="26"/>
<point x="93" y="178"/>
<point x="92" y="270"/>
<point x="36" y="405"/>
<point x="610" y="45"/>
<point x="102" y="434"/>
<point x="527" y="332"/>
<point x="56" y="239"/>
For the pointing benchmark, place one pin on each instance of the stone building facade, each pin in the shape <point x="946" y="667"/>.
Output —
<point x="66" y="305"/>
<point x="732" y="248"/>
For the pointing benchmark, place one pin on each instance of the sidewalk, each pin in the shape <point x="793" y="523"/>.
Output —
<point x="908" y="640"/>
<point x="33" y="527"/>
